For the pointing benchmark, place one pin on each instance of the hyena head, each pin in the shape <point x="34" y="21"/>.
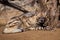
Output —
<point x="41" y="21"/>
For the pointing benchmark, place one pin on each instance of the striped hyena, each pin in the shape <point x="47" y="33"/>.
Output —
<point x="22" y="23"/>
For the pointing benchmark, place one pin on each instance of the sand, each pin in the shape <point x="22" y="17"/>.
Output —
<point x="32" y="35"/>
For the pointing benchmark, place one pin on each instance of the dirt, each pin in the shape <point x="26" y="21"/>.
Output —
<point x="32" y="35"/>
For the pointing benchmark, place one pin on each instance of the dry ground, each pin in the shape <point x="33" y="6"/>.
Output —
<point x="32" y="35"/>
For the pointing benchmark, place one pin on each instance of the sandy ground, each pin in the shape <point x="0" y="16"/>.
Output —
<point x="32" y="35"/>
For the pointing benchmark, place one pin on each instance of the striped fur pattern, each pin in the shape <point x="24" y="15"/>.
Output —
<point x="20" y="23"/>
<point x="23" y="23"/>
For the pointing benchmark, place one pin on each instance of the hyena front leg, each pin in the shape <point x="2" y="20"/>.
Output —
<point x="12" y="26"/>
